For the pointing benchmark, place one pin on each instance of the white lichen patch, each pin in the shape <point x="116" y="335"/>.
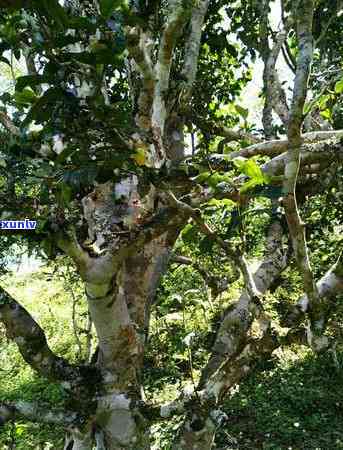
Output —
<point x="58" y="145"/>
<point x="303" y="303"/>
<point x="126" y="187"/>
<point x="320" y="343"/>
<point x="20" y="340"/>
<point x="115" y="402"/>
<point x="218" y="416"/>
<point x="166" y="410"/>
<point x="38" y="357"/>
<point x="84" y="90"/>
<point x="66" y="385"/>
<point x="214" y="388"/>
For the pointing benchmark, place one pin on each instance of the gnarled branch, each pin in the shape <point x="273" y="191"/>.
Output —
<point x="292" y="166"/>
<point x="237" y="319"/>
<point x="35" y="412"/>
<point x="31" y="341"/>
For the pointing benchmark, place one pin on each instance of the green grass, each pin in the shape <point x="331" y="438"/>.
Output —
<point x="295" y="403"/>
<point x="51" y="307"/>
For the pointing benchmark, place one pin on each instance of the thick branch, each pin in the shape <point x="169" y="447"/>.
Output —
<point x="234" y="370"/>
<point x="32" y="343"/>
<point x="267" y="115"/>
<point x="328" y="287"/>
<point x="34" y="412"/>
<point x="219" y="129"/>
<point x="193" y="46"/>
<point x="139" y="50"/>
<point x="164" y="220"/>
<point x="68" y="243"/>
<point x="237" y="319"/>
<point x="203" y="415"/>
<point x="292" y="166"/>
<point x="277" y="146"/>
<point x="177" y="18"/>
<point x="309" y="154"/>
<point x="275" y="93"/>
<point x="8" y="124"/>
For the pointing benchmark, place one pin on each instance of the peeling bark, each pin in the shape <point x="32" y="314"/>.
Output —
<point x="192" y="46"/>
<point x="178" y="15"/>
<point x="76" y="440"/>
<point x="35" y="412"/>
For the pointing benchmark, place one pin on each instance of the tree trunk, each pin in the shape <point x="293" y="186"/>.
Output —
<point x="121" y="321"/>
<point x="197" y="434"/>
<point x="119" y="300"/>
<point x="75" y="440"/>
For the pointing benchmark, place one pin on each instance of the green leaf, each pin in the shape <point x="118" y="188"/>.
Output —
<point x="307" y="107"/>
<point x="139" y="157"/>
<point x="82" y="23"/>
<point x="239" y="162"/>
<point x="249" y="185"/>
<point x="25" y="97"/>
<point x="189" y="233"/>
<point x="19" y="429"/>
<point x="108" y="6"/>
<point x="215" y="179"/>
<point x="204" y="176"/>
<point x="323" y="101"/>
<point x="54" y="10"/>
<point x="206" y="244"/>
<point x="339" y="87"/>
<point x="326" y="114"/>
<point x="253" y="170"/>
<point x="66" y="194"/>
<point x="243" y="112"/>
<point x="221" y="203"/>
<point x="38" y="110"/>
<point x="30" y="80"/>
<point x="212" y="179"/>
<point x="5" y="60"/>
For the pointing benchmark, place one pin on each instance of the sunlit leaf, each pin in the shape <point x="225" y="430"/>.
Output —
<point x="139" y="157"/>
<point x="25" y="97"/>
<point x="339" y="86"/>
<point x="243" y="112"/>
